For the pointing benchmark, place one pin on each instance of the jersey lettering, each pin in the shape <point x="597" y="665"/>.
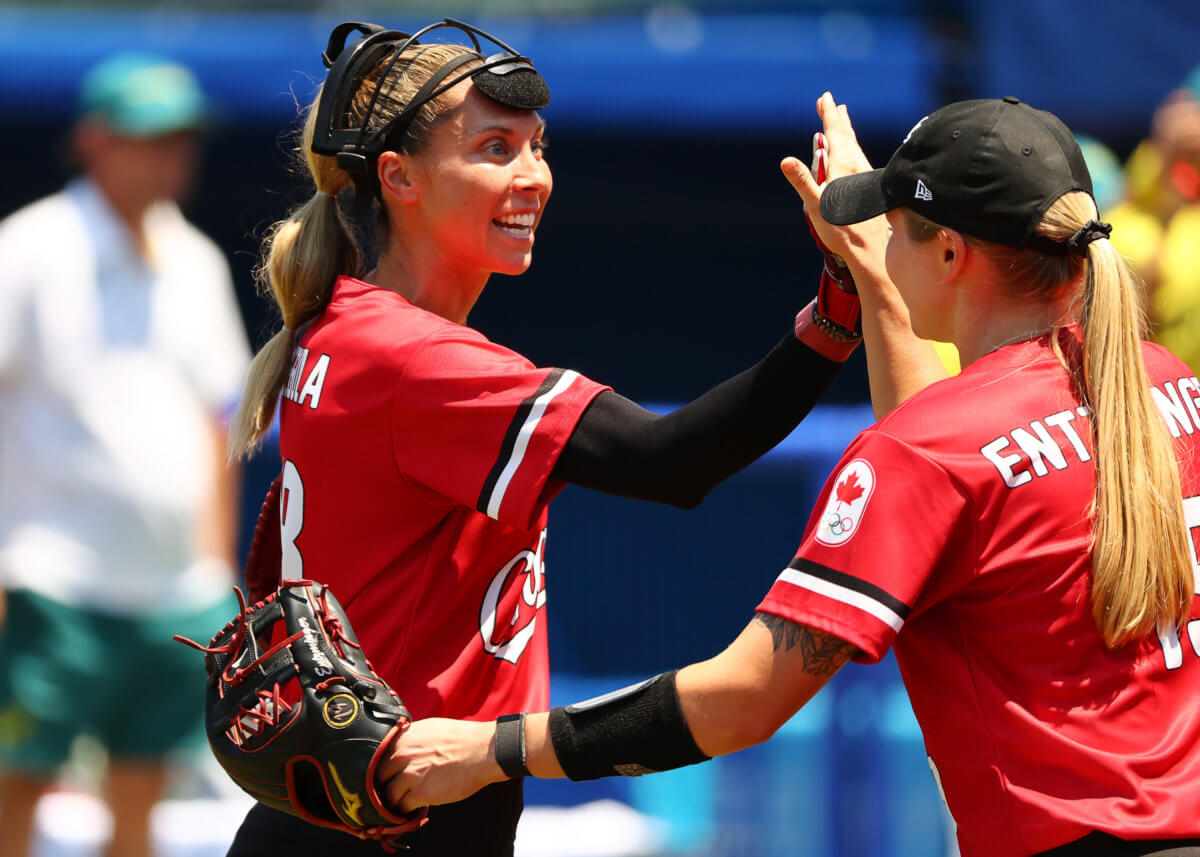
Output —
<point x="313" y="383"/>
<point x="508" y="615"/>
<point x="1169" y="637"/>
<point x="316" y="381"/>
<point x="1033" y="450"/>
<point x="1036" y="446"/>
<point x="291" y="390"/>
<point x="1189" y="391"/>
<point x="1040" y="449"/>
<point x="1062" y="422"/>
<point x="291" y="521"/>
<point x="1178" y="402"/>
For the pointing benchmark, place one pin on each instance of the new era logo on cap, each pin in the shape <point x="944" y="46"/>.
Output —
<point x="923" y="192"/>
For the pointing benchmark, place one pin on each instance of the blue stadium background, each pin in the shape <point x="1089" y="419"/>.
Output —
<point x="673" y="255"/>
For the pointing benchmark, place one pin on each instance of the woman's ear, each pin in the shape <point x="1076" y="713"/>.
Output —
<point x="396" y="177"/>
<point x="954" y="253"/>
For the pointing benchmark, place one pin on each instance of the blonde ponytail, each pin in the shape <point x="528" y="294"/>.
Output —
<point x="303" y="255"/>
<point x="1141" y="565"/>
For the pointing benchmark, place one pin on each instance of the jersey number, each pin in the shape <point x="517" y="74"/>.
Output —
<point x="1171" y="646"/>
<point x="291" y="521"/>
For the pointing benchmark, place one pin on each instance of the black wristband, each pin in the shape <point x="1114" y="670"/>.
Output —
<point x="510" y="745"/>
<point x="634" y="731"/>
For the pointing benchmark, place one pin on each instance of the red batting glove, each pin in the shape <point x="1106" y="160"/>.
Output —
<point x="832" y="324"/>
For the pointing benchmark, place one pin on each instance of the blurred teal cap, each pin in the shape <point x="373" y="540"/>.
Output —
<point x="143" y="95"/>
<point x="1192" y="82"/>
<point x="1108" y="179"/>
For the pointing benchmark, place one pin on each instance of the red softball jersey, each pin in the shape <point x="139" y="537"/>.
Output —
<point x="957" y="531"/>
<point x="416" y="474"/>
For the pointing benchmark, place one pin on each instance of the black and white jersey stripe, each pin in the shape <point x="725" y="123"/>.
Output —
<point x="847" y="589"/>
<point x="516" y="440"/>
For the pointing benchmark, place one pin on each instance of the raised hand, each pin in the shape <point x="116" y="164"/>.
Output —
<point x="898" y="363"/>
<point x="861" y="243"/>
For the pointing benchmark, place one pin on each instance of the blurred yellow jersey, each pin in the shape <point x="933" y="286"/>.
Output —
<point x="1166" y="255"/>
<point x="948" y="354"/>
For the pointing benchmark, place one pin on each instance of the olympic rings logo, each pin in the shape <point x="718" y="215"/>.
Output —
<point x="846" y="504"/>
<point x="839" y="525"/>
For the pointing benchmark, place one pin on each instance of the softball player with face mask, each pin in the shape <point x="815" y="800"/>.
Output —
<point x="419" y="457"/>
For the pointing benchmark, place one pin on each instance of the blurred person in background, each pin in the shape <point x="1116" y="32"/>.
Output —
<point x="121" y="346"/>
<point x="1157" y="225"/>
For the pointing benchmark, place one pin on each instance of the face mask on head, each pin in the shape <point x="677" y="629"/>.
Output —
<point x="505" y="77"/>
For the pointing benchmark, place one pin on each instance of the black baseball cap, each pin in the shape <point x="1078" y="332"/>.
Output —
<point x="989" y="168"/>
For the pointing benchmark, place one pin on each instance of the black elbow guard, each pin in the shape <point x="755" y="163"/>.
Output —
<point x="629" y="732"/>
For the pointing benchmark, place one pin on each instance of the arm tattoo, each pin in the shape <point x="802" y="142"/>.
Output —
<point x="823" y="653"/>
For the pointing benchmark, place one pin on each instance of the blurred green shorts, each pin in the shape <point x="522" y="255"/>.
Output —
<point x="66" y="671"/>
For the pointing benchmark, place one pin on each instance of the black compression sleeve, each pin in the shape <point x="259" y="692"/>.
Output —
<point x="621" y="448"/>
<point x="633" y="731"/>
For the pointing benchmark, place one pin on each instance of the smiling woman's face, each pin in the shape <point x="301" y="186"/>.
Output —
<point x="483" y="183"/>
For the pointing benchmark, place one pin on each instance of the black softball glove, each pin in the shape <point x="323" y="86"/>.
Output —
<point x="296" y="715"/>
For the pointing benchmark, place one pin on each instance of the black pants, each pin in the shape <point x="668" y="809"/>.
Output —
<point x="1106" y="845"/>
<point x="483" y="825"/>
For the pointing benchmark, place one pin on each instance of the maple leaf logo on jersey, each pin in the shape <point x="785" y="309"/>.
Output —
<point x="848" y="490"/>
<point x="847" y="503"/>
